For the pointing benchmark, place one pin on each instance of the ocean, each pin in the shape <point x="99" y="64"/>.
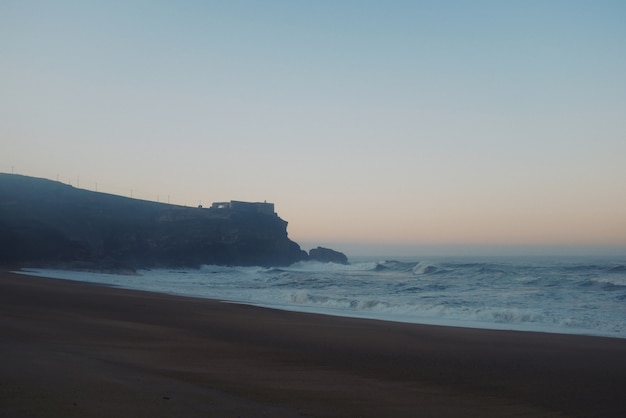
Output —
<point x="557" y="295"/>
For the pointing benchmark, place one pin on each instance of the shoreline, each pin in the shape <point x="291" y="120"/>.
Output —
<point x="63" y="274"/>
<point x="122" y="351"/>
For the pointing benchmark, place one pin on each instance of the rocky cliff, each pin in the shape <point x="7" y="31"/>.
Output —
<point x="326" y="255"/>
<point x="43" y="222"/>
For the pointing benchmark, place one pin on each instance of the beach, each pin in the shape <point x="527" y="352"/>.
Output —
<point x="76" y="349"/>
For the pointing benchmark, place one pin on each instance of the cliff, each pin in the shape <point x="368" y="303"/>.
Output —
<point x="48" y="223"/>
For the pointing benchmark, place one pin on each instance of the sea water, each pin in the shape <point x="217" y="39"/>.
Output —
<point x="559" y="295"/>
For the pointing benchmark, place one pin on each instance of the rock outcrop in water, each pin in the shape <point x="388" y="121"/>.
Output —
<point x="326" y="255"/>
<point x="48" y="223"/>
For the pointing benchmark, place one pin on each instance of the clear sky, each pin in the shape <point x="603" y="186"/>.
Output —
<point x="420" y="123"/>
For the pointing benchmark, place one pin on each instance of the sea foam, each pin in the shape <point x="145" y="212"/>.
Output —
<point x="563" y="296"/>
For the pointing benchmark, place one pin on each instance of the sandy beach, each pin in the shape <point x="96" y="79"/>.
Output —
<point x="79" y="350"/>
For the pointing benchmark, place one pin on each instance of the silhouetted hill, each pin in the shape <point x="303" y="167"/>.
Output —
<point x="43" y="222"/>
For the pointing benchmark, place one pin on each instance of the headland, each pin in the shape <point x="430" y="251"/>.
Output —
<point x="47" y="223"/>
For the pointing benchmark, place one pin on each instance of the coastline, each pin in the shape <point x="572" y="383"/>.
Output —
<point x="470" y="303"/>
<point x="77" y="349"/>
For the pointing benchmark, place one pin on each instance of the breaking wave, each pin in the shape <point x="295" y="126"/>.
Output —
<point x="541" y="295"/>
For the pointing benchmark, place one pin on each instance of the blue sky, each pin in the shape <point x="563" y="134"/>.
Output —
<point x="417" y="123"/>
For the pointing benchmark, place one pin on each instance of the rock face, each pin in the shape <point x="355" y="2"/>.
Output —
<point x="327" y="255"/>
<point x="43" y="222"/>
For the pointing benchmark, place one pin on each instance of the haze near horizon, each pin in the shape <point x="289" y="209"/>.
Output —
<point x="399" y="125"/>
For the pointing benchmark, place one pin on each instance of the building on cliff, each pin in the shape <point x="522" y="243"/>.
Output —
<point x="249" y="207"/>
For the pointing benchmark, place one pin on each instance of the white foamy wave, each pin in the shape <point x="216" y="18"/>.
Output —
<point x="616" y="280"/>
<point x="424" y="268"/>
<point x="210" y="268"/>
<point x="509" y="316"/>
<point x="318" y="266"/>
<point x="301" y="297"/>
<point x="541" y="295"/>
<point x="451" y="314"/>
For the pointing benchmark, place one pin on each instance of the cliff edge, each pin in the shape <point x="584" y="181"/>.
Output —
<point x="47" y="223"/>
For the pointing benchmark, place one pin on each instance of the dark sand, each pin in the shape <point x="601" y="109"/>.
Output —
<point x="78" y="350"/>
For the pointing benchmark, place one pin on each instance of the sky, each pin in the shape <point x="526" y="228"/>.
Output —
<point x="373" y="126"/>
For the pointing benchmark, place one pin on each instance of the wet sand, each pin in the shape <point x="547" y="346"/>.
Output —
<point x="80" y="350"/>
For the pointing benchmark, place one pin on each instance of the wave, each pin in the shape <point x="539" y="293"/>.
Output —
<point x="416" y="268"/>
<point x="440" y="312"/>
<point x="424" y="268"/>
<point x="210" y="268"/>
<point x="303" y="297"/>
<point x="590" y="268"/>
<point x="618" y="281"/>
<point x="319" y="266"/>
<point x="531" y="295"/>
<point x="275" y="270"/>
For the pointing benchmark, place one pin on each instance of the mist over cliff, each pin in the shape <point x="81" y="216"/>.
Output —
<point x="43" y="222"/>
